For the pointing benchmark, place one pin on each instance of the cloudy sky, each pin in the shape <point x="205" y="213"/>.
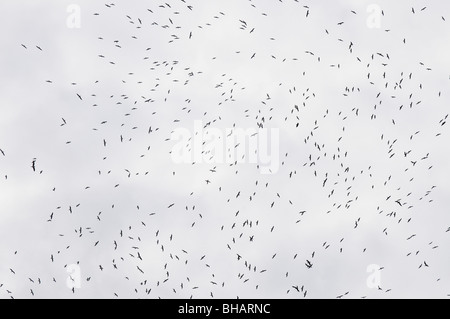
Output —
<point x="349" y="100"/>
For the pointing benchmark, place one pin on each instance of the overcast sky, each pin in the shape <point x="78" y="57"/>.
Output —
<point x="355" y="93"/>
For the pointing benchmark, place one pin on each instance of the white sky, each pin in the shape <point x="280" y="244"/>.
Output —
<point x="214" y="80"/>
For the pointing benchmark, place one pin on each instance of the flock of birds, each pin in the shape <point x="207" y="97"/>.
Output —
<point x="360" y="119"/>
